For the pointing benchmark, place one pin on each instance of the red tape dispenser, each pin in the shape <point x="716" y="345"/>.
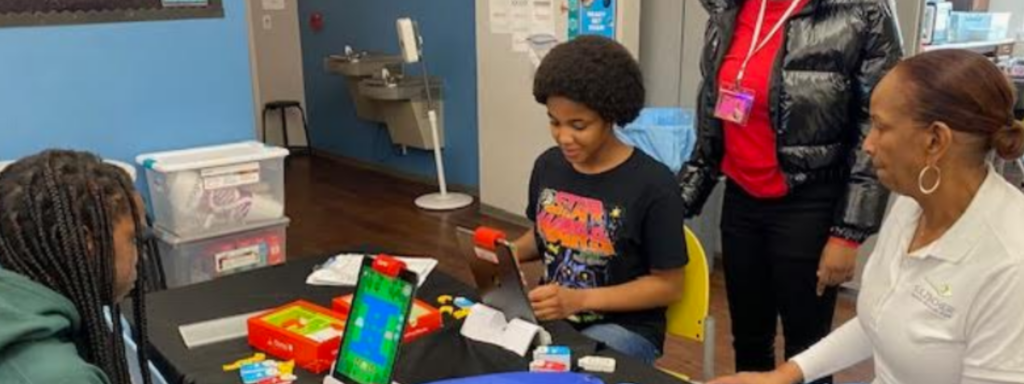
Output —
<point x="486" y="240"/>
<point x="388" y="266"/>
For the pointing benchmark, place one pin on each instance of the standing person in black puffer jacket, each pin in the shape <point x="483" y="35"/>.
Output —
<point x="782" y="116"/>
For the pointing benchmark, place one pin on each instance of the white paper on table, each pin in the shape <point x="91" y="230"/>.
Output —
<point x="488" y="325"/>
<point x="343" y="270"/>
<point x="519" y="335"/>
<point x="499" y="15"/>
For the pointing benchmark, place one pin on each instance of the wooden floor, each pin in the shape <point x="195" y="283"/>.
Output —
<point x="336" y="207"/>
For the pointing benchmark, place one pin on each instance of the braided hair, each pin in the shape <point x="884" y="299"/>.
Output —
<point x="57" y="214"/>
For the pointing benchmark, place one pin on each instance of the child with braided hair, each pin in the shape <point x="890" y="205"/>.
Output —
<point x="70" y="244"/>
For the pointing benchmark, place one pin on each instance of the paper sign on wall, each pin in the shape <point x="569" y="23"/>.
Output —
<point x="542" y="20"/>
<point x="540" y="45"/>
<point x="500" y="18"/>
<point x="542" y="30"/>
<point x="273" y="5"/>
<point x="522" y="14"/>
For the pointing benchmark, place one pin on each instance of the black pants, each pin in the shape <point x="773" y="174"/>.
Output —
<point x="771" y="249"/>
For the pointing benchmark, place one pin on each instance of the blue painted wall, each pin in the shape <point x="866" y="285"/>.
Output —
<point x="122" y="89"/>
<point x="449" y="36"/>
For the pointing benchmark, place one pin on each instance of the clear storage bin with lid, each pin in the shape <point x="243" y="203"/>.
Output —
<point x="217" y="188"/>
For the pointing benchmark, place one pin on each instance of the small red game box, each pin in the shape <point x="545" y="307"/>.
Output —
<point x="423" y="318"/>
<point x="300" y="331"/>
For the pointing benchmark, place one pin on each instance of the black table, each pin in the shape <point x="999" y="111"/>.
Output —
<point x="443" y="354"/>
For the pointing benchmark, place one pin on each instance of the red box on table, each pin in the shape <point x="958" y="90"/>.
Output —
<point x="300" y="331"/>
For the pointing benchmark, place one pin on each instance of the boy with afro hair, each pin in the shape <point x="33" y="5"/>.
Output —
<point x="608" y="219"/>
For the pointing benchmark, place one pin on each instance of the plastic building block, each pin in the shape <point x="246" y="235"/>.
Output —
<point x="597" y="364"/>
<point x="258" y="357"/>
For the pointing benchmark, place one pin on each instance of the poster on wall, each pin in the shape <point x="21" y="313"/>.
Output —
<point x="573" y="19"/>
<point x="597" y="17"/>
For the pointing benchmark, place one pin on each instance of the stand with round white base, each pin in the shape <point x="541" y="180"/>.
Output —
<point x="444" y="202"/>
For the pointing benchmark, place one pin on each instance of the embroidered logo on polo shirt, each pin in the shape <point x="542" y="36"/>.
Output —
<point x="933" y="302"/>
<point x="944" y="290"/>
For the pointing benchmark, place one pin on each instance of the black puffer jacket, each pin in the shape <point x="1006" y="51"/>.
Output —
<point x="835" y="51"/>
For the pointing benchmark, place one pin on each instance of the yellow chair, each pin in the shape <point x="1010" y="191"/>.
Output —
<point x="689" y="318"/>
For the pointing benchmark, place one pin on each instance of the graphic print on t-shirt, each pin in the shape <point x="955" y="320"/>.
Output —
<point x="578" y="238"/>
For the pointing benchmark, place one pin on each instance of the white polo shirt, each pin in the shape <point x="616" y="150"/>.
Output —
<point x="952" y="312"/>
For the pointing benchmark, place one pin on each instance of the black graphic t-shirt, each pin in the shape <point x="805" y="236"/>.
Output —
<point x="608" y="229"/>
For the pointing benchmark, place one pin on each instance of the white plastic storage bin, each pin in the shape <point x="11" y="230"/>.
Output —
<point x="218" y="188"/>
<point x="197" y="259"/>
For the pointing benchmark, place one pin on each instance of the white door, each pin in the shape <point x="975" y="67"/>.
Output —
<point x="275" y="52"/>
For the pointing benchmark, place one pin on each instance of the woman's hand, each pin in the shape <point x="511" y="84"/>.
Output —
<point x="555" y="302"/>
<point x="788" y="373"/>
<point x="838" y="264"/>
<point x="751" y="378"/>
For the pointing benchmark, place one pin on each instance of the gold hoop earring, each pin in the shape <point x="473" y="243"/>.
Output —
<point x="938" y="179"/>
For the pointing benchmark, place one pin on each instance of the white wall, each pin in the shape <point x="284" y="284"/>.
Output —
<point x="513" y="127"/>
<point x="695" y="22"/>
<point x="661" y="46"/>
<point x="276" y="55"/>
<point x="1016" y="22"/>
<point x="1014" y="6"/>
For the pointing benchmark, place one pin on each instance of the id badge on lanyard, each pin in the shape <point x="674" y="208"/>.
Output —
<point x="735" y="102"/>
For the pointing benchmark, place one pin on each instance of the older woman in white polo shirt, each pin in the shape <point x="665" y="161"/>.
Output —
<point x="942" y="299"/>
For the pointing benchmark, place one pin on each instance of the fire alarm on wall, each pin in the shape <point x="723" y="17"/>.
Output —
<point x="316" y="21"/>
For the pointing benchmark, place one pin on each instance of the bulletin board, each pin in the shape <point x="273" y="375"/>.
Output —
<point x="18" y="13"/>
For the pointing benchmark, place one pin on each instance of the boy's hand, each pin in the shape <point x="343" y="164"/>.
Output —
<point x="554" y="302"/>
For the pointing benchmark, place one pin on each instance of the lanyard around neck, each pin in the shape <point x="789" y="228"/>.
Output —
<point x="755" y="45"/>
